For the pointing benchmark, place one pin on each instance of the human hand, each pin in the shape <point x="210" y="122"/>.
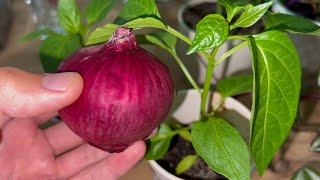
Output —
<point x="27" y="152"/>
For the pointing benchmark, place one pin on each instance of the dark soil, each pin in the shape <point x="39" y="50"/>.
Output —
<point x="178" y="150"/>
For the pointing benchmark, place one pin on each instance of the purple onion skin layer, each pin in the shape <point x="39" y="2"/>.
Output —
<point x="127" y="93"/>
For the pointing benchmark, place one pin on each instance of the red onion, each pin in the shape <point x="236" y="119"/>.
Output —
<point x="127" y="93"/>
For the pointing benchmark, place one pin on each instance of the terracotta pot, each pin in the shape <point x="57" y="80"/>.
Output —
<point x="185" y="110"/>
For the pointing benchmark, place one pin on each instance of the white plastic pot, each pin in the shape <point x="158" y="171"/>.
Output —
<point x="186" y="110"/>
<point x="239" y="63"/>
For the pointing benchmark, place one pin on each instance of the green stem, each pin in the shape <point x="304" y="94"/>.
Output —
<point x="178" y="34"/>
<point x="207" y="81"/>
<point x="207" y="84"/>
<point x="84" y="33"/>
<point x="219" y="103"/>
<point x="185" y="71"/>
<point x="182" y="129"/>
<point x="236" y="37"/>
<point x="172" y="133"/>
<point x="230" y="52"/>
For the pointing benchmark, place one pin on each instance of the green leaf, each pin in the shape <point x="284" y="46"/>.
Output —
<point x="277" y="74"/>
<point x="97" y="10"/>
<point x="235" y="85"/>
<point x="102" y="34"/>
<point x="137" y="8"/>
<point x="145" y="22"/>
<point x="158" y="145"/>
<point x="306" y="173"/>
<point x="55" y="48"/>
<point x="211" y="31"/>
<point x="36" y="34"/>
<point x="186" y="135"/>
<point x="232" y="7"/>
<point x="186" y="163"/>
<point x="315" y="146"/>
<point x="222" y="148"/>
<point x="69" y="16"/>
<point x="290" y="23"/>
<point x="251" y="15"/>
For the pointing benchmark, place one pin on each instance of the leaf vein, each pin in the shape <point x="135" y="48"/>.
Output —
<point x="222" y="145"/>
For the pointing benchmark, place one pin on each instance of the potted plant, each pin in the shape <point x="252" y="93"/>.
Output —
<point x="184" y="113"/>
<point x="275" y="83"/>
<point x="189" y="14"/>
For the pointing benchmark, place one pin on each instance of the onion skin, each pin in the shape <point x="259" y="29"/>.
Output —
<point x="127" y="93"/>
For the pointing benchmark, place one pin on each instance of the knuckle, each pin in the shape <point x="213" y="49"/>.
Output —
<point x="7" y="89"/>
<point x="7" y="73"/>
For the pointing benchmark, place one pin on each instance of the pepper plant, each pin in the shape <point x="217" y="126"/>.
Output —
<point x="275" y="83"/>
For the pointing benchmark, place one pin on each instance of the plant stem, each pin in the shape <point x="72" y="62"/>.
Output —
<point x="230" y="52"/>
<point x="84" y="32"/>
<point x="182" y="129"/>
<point x="185" y="71"/>
<point x="178" y="34"/>
<point x="207" y="81"/>
<point x="217" y="106"/>
<point x="206" y="87"/>
<point x="236" y="37"/>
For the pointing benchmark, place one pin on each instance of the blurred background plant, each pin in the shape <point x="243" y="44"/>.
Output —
<point x="307" y="8"/>
<point x="310" y="170"/>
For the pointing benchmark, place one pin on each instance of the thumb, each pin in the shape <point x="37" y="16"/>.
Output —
<point x="25" y="95"/>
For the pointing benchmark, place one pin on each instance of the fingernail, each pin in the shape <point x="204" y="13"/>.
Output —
<point x="58" y="82"/>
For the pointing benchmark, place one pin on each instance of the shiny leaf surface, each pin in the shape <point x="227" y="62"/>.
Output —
<point x="222" y="148"/>
<point x="211" y="32"/>
<point x="251" y="15"/>
<point x="277" y="75"/>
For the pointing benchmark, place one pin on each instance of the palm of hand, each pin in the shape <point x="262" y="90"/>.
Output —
<point x="27" y="152"/>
